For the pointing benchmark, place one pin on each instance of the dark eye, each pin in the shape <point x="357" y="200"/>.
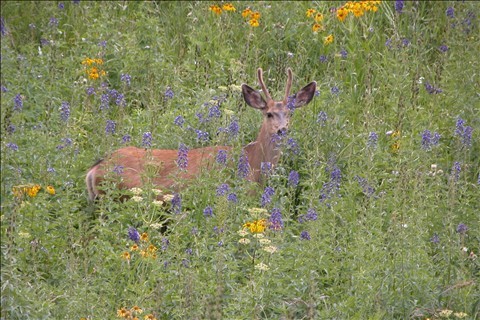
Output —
<point x="269" y="115"/>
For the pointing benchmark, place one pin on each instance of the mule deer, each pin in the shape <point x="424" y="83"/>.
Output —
<point x="276" y="115"/>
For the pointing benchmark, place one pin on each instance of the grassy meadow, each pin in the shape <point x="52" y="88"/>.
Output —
<point x="373" y="211"/>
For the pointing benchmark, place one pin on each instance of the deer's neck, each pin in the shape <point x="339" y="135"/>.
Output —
<point x="264" y="149"/>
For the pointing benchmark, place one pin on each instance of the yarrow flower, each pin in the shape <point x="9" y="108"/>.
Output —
<point x="182" y="159"/>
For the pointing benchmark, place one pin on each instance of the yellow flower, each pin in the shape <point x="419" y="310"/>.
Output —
<point x="50" y="189"/>
<point x="150" y="317"/>
<point x="144" y="237"/>
<point x="123" y="312"/>
<point x="152" y="248"/>
<point x="136" y="309"/>
<point x="316" y="27"/>
<point x="254" y="23"/>
<point x="395" y="147"/>
<point x="342" y="14"/>
<point x="395" y="134"/>
<point x="228" y="7"/>
<point x="318" y="17"/>
<point x="134" y="247"/>
<point x="126" y="255"/>
<point x="310" y="12"/>
<point x="32" y="191"/>
<point x="328" y="39"/>
<point x="255" y="15"/>
<point x="216" y="9"/>
<point x="256" y="226"/>
<point x="246" y="12"/>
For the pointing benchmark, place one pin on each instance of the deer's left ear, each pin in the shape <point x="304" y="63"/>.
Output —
<point x="304" y="96"/>
<point x="253" y="98"/>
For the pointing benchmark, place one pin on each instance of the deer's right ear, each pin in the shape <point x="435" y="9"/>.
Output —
<point x="253" y="98"/>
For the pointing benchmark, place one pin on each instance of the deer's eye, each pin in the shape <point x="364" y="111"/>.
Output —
<point x="269" y="115"/>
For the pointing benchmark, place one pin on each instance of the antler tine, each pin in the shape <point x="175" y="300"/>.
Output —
<point x="264" y="88"/>
<point x="289" y="83"/>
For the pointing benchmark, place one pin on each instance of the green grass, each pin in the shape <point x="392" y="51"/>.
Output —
<point x="388" y="241"/>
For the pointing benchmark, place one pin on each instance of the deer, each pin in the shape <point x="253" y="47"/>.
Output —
<point x="276" y="117"/>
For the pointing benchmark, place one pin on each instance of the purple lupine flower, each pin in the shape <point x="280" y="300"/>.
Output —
<point x="50" y="170"/>
<point x="169" y="94"/>
<point x="3" y="29"/>
<point x="266" y="168"/>
<point x="179" y="121"/>
<point x="426" y="140"/>
<point x="221" y="157"/>
<point x="233" y="129"/>
<point x="291" y="100"/>
<point x="214" y="112"/>
<point x="125" y="77"/>
<point x="462" y="228"/>
<point x="335" y="90"/>
<point x="399" y="5"/>
<point x="118" y="169"/>
<point x="11" y="128"/>
<point x="456" y="168"/>
<point x="182" y="159"/>
<point x="450" y="12"/>
<point x="267" y="196"/>
<point x="53" y="22"/>
<point x="322" y="118"/>
<point x="388" y="43"/>
<point x="293" y="178"/>
<point x="311" y="215"/>
<point x="177" y="203"/>
<point x="201" y="135"/>
<point x="436" y="138"/>
<point x="243" y="167"/>
<point x="133" y="234"/>
<point x="292" y="146"/>
<point x="208" y="212"/>
<point x="110" y="127"/>
<point x="443" y="48"/>
<point x="3" y="88"/>
<point x="275" y="220"/>
<point x="435" y="238"/>
<point x="104" y="101"/>
<point x="372" y="140"/>
<point x="405" y="42"/>
<point x="90" y="91"/>
<point x="366" y="188"/>
<point x="232" y="197"/>
<point x="45" y="42"/>
<point x="165" y="244"/>
<point x="464" y="132"/>
<point x="305" y="235"/>
<point x="120" y="100"/>
<point x="12" y="146"/>
<point x="18" y="102"/>
<point x="331" y="188"/>
<point x="61" y="6"/>
<point x="65" y="111"/>
<point x="323" y="58"/>
<point x="126" y="138"/>
<point x="222" y="189"/>
<point x="431" y="89"/>
<point x="102" y="44"/>
<point x="147" y="140"/>
<point x="343" y="53"/>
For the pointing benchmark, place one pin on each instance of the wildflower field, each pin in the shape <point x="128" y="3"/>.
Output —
<point x="372" y="212"/>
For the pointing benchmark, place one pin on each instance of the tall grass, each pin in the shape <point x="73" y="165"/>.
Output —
<point x="383" y="223"/>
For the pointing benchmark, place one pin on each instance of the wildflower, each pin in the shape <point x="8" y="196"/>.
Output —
<point x="366" y="188"/>
<point x="435" y="238"/>
<point x="335" y="90"/>
<point x="262" y="266"/>
<point x="318" y="17"/>
<point x="165" y="244"/>
<point x="179" y="121"/>
<point x="110" y="127"/>
<point x="267" y="196"/>
<point x="464" y="132"/>
<point x="316" y="27"/>
<point x="310" y="12"/>
<point x="169" y="94"/>
<point x="182" y="159"/>
<point x="443" y="48"/>
<point x="201" y="135"/>
<point x="126" y="138"/>
<point x="328" y="39"/>
<point x="126" y="255"/>
<point x="246" y="12"/>
<point x="243" y="167"/>
<point x="292" y="146"/>
<point x="177" y="203"/>
<point x="270" y="249"/>
<point x="12" y="146"/>
<point x="215" y="9"/>
<point x="244" y="241"/>
<point x="136" y="191"/>
<point x="322" y="118"/>
<point x="254" y="23"/>
<point x="257" y="211"/>
<point x="331" y="188"/>
<point x="150" y="317"/>
<point x="323" y="58"/>
<point x="233" y="129"/>
<point x="343" y="53"/>
<point x="118" y="169"/>
<point x="293" y="178"/>
<point x="372" y="140"/>
<point x="222" y="189"/>
<point x="445" y="313"/>
<point x="405" y="42"/>
<point x="208" y="212"/>
<point x="50" y="189"/>
<point x="256" y="226"/>
<point x="147" y="139"/>
<point x="462" y="228"/>
<point x="18" y="102"/>
<point x="275" y="220"/>
<point x="90" y="91"/>
<point x="136" y="309"/>
<point x="137" y="199"/>
<point x="399" y="5"/>
<point x="266" y="168"/>
<point x="133" y="234"/>
<point x="342" y="14"/>
<point x="431" y="89"/>
<point x="229" y="7"/>
<point x="53" y="22"/>
<point x="305" y="235"/>
<point x="65" y="111"/>
<point x="125" y="77"/>
<point x="221" y="157"/>
<point x="102" y="44"/>
<point x="450" y="12"/>
<point x="460" y="315"/>
<point x="232" y="197"/>
<point x="456" y="171"/>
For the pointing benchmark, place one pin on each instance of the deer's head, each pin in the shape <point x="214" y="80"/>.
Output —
<point x="276" y="114"/>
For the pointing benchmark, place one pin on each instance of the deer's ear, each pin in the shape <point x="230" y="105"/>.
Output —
<point x="304" y="96"/>
<point x="253" y="98"/>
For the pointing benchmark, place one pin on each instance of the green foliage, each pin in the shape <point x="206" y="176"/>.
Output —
<point x="375" y="228"/>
